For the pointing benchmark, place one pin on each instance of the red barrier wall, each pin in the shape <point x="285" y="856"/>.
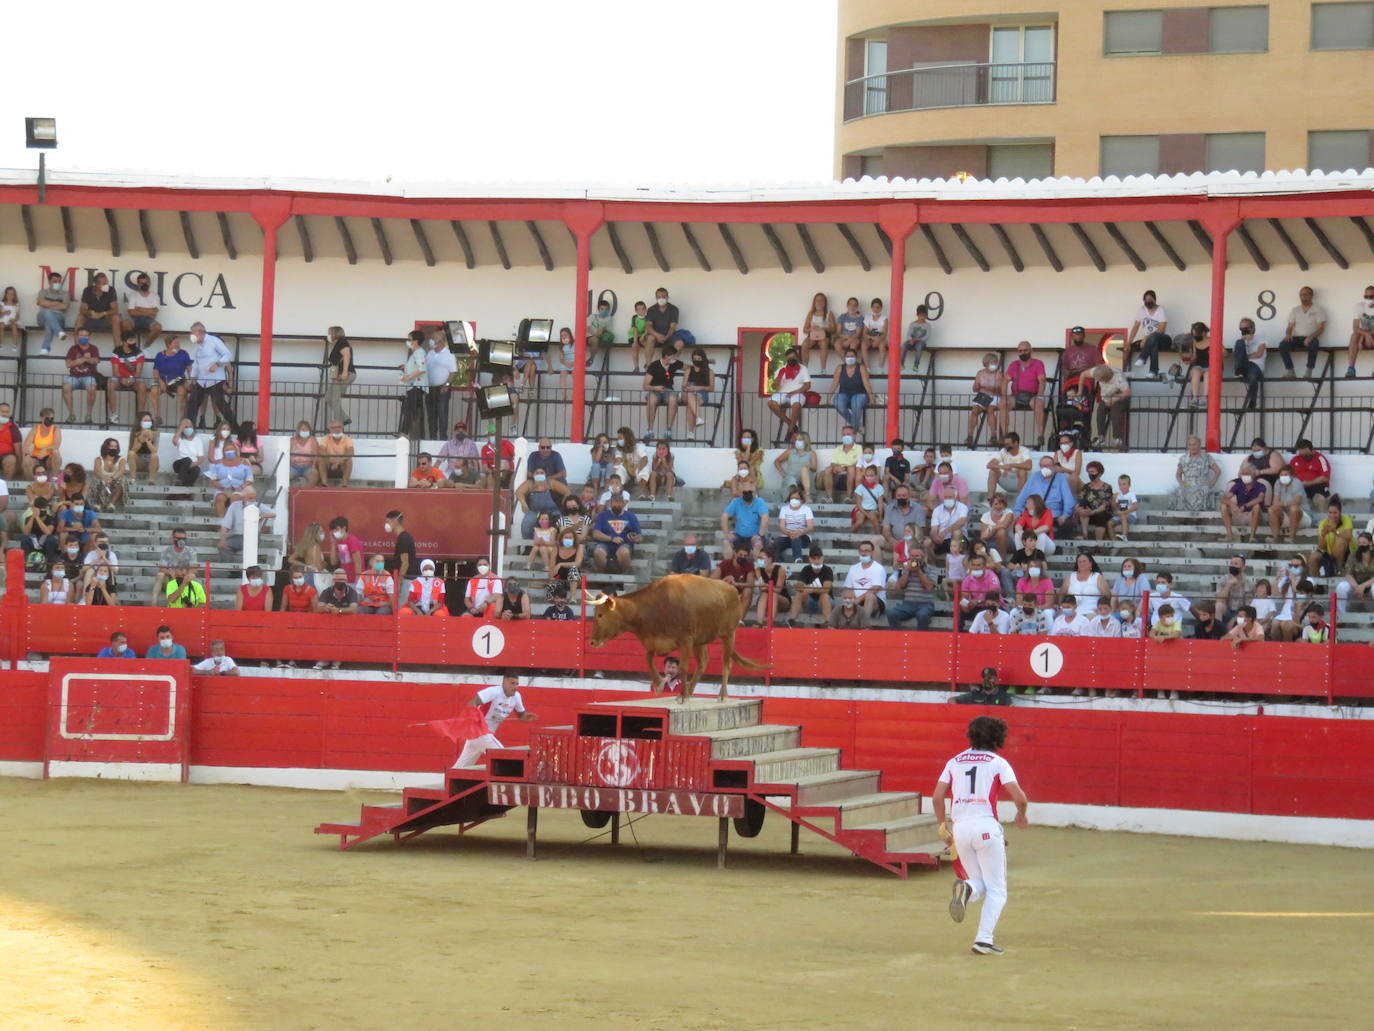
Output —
<point x="445" y="523"/>
<point x="1246" y="764"/>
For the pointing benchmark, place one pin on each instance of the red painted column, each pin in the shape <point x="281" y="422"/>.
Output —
<point x="897" y="221"/>
<point x="270" y="211"/>
<point x="583" y="219"/>
<point x="1221" y="227"/>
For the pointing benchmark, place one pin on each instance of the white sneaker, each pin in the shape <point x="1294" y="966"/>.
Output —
<point x="611" y="397"/>
<point x="701" y="421"/>
<point x="62" y="335"/>
<point x="1139" y="362"/>
<point x="321" y="665"/>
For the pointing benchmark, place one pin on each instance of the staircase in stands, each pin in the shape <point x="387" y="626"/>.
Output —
<point x="764" y="762"/>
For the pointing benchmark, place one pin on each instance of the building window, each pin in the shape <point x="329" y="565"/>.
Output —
<point x="1021" y="161"/>
<point x="1338" y="151"/>
<point x="1238" y="30"/>
<point x="1022" y="66"/>
<point x="870" y="164"/>
<point x="1130" y="155"/>
<point x="1133" y="32"/>
<point x="1343" y="26"/>
<point x="1235" y="152"/>
<point x="875" y="76"/>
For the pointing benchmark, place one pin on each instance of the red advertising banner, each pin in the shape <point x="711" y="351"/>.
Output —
<point x="117" y="711"/>
<point x="446" y="524"/>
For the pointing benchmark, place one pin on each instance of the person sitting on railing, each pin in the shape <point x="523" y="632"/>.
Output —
<point x="305" y="455"/>
<point x="118" y="648"/>
<point x="818" y="329"/>
<point x="458" y="457"/>
<point x="661" y="474"/>
<point x="335" y="462"/>
<point x="166" y="647"/>
<point x="1249" y="361"/>
<point x="1361" y="330"/>
<point x="253" y="595"/>
<point x="40" y="533"/>
<point x="171" y="368"/>
<point x="616" y="531"/>
<point x="100" y="588"/>
<point x="338" y="599"/>
<point x="515" y="602"/>
<point x="426" y="595"/>
<point x="660" y="387"/>
<point x="600" y="335"/>
<point x="1206" y="626"/>
<point x="378" y="588"/>
<point x="229" y="474"/>
<point x="249" y="448"/>
<point x="790" y="387"/>
<point x="426" y="475"/>
<point x="42" y="447"/>
<point x="1025" y="390"/>
<point x="190" y="455"/>
<point x="917" y="337"/>
<point x="126" y="373"/>
<point x="663" y="317"/>
<point x="701" y="383"/>
<point x="83" y="360"/>
<point x="738" y="570"/>
<point x="482" y="596"/>
<point x="56" y="589"/>
<point x="989" y="391"/>
<point x="217" y="663"/>
<point x="1070" y="622"/>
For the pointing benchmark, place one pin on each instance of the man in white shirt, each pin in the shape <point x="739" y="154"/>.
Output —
<point x="790" y="385"/>
<point x="1361" y="330"/>
<point x="499" y="701"/>
<point x="217" y="664"/>
<point x="1164" y="594"/>
<point x="1104" y="624"/>
<point x="867" y="578"/>
<point x="440" y="365"/>
<point x="1008" y="471"/>
<point x="140" y="312"/>
<point x="209" y="373"/>
<point x="795" y="520"/>
<point x="947" y="520"/>
<point x="990" y="620"/>
<point x="1069" y="623"/>
<point x="1306" y="323"/>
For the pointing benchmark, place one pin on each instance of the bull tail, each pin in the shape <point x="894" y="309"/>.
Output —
<point x="737" y="657"/>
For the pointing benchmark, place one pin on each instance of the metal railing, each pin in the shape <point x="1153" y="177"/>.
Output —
<point x="950" y="85"/>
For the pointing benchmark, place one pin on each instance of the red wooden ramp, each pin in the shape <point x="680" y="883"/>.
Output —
<point x="658" y="755"/>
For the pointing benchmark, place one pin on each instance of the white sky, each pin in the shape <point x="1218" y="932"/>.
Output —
<point x="462" y="90"/>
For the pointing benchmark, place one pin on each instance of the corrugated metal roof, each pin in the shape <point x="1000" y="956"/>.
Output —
<point x="1220" y="184"/>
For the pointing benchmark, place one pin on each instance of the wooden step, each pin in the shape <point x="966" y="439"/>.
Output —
<point x="786" y="765"/>
<point x="819" y="788"/>
<point x="862" y="812"/>
<point x="703" y="715"/>
<point x="743" y="742"/>
<point x="904" y="833"/>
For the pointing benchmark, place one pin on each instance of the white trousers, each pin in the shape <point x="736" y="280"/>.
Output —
<point x="983" y="853"/>
<point x="472" y="751"/>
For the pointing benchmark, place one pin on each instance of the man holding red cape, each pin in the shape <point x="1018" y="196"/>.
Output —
<point x="476" y="727"/>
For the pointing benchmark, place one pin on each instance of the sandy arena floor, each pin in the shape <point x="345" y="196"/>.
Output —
<point x="130" y="907"/>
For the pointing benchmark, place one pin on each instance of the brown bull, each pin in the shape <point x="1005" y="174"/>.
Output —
<point x="678" y="613"/>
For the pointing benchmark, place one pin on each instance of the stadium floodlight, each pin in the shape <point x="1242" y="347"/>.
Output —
<point x="495" y="402"/>
<point x="40" y="134"/>
<point x="460" y="335"/>
<point x="496" y="357"/>
<point x="534" y="335"/>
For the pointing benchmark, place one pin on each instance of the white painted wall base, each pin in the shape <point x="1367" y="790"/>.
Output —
<point x="114" y="771"/>
<point x="33" y="771"/>
<point x="1304" y="830"/>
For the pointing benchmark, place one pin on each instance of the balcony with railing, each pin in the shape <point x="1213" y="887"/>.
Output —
<point x="950" y="85"/>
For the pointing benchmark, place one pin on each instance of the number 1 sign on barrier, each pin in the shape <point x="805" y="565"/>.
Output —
<point x="1046" y="660"/>
<point x="488" y="641"/>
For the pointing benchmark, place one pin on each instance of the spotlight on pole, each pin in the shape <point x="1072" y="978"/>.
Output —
<point x="40" y="134"/>
<point x="495" y="402"/>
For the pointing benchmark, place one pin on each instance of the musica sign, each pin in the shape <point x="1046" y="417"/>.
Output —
<point x="186" y="289"/>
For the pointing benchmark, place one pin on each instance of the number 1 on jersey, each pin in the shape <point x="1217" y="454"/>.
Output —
<point x="972" y="772"/>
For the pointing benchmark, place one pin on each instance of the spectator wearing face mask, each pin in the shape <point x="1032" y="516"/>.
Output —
<point x="190" y="459"/>
<point x="426" y="475"/>
<point x="76" y="524"/>
<point x="1247" y="628"/>
<point x="690" y="558"/>
<point x="1096" y="503"/>
<point x="100" y="553"/>
<point x="1206" y="626"/>
<point x="558" y="608"/>
<point x="913" y="594"/>
<point x="1036" y="585"/>
<point x="771" y="579"/>
<point x="978" y="589"/>
<point x="1070" y="622"/>
<point x="839" y="476"/>
<point x="615" y="532"/>
<point x="1130" y="584"/>
<point x="229" y="475"/>
<point x="217" y="663"/>
<point x="1163" y="594"/>
<point x="166" y="647"/>
<point x="903" y="519"/>
<point x="403" y="562"/>
<point x="849" y="614"/>
<point x="42" y="447"/>
<point x="300" y="596"/>
<point x="483" y="595"/>
<point x="946" y="480"/>
<point x="1030" y="617"/>
<point x="1314" y="628"/>
<point x="790" y="387"/>
<point x="738" y="570"/>
<point x="1234" y="590"/>
<point x="797" y="466"/>
<point x="1052" y="487"/>
<point x="869" y="504"/>
<point x="118" y="648"/>
<point x="40" y="533"/>
<point x="1287" y="507"/>
<point x="1244" y="500"/>
<point x="867" y="580"/>
<point x="744" y="518"/>
<point x="795" y="523"/>
<point x="253" y="594"/>
<point x="336" y="451"/>
<point x="538" y="495"/>
<point x="948" y="521"/>
<point x="811" y="587"/>
<point x="183" y="590"/>
<point x="1263" y="462"/>
<point x="56" y="589"/>
<point x="458" y="457"/>
<point x="850" y="389"/>
<point x="1358" y="574"/>
<point x="231" y="525"/>
<point x="1025" y="389"/>
<point x="1312" y="469"/>
<point x="989" y="619"/>
<point x="660" y="388"/>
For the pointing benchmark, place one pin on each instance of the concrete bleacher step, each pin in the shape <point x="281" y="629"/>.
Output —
<point x="744" y="742"/>
<point x="788" y="765"/>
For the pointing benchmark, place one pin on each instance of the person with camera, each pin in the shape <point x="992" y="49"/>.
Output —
<point x="183" y="590"/>
<point x="916" y="588"/>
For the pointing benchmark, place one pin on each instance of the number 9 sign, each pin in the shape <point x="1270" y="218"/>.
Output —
<point x="1046" y="660"/>
<point x="488" y="642"/>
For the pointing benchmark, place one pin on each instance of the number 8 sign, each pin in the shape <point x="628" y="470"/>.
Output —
<point x="488" y="642"/>
<point x="1046" y="660"/>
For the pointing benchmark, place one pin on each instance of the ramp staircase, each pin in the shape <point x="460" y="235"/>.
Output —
<point x="713" y="748"/>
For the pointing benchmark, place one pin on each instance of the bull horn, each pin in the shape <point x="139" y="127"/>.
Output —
<point x="600" y="599"/>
